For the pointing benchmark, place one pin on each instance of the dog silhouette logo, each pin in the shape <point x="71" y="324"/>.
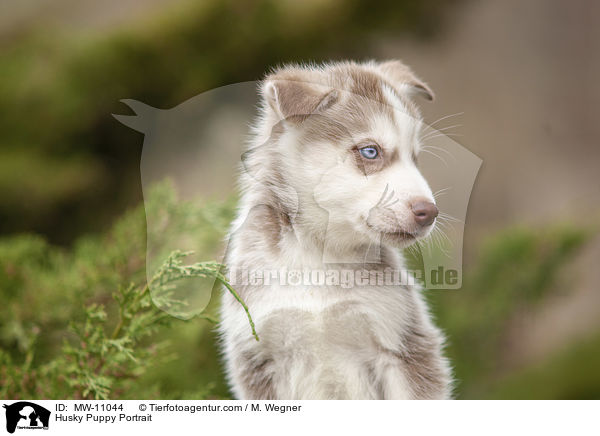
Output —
<point x="26" y="415"/>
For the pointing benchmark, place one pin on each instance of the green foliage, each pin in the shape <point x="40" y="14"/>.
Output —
<point x="515" y="271"/>
<point x="75" y="325"/>
<point x="570" y="373"/>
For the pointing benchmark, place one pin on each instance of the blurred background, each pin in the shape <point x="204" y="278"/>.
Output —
<point x="519" y="78"/>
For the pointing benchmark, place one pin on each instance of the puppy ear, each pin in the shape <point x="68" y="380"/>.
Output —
<point x="403" y="78"/>
<point x="295" y="99"/>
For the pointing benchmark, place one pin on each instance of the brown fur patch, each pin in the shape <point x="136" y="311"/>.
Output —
<point x="265" y="220"/>
<point x="425" y="368"/>
<point x="257" y="376"/>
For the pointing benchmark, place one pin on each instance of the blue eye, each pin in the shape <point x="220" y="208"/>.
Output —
<point x="369" y="152"/>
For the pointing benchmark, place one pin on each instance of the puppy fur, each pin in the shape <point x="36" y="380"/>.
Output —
<point x="311" y="201"/>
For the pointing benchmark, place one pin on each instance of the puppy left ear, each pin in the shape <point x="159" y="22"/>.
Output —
<point x="295" y="99"/>
<point x="403" y="78"/>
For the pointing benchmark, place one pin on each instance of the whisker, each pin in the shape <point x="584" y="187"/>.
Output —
<point x="429" y="244"/>
<point x="418" y="248"/>
<point x="445" y="117"/>
<point x="443" y="129"/>
<point x="450" y="217"/>
<point x="391" y="196"/>
<point x="436" y="155"/>
<point x="444" y="236"/>
<point x="392" y="202"/>
<point x="441" y="192"/>
<point x="449" y="135"/>
<point x="412" y="249"/>
<point x="433" y="147"/>
<point x="367" y="252"/>
<point x="382" y="195"/>
<point x="440" y="238"/>
<point x="442" y="224"/>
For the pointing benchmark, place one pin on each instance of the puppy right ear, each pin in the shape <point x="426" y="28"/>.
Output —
<point x="403" y="77"/>
<point x="294" y="100"/>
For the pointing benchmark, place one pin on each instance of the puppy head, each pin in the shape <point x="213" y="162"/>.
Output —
<point x="348" y="138"/>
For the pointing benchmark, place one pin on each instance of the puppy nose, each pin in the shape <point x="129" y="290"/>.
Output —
<point x="424" y="212"/>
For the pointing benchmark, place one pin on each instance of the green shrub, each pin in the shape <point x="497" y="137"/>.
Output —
<point x="84" y="324"/>
<point x="515" y="271"/>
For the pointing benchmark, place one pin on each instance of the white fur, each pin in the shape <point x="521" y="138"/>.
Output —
<point x="319" y="340"/>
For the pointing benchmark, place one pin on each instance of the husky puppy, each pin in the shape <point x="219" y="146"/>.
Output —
<point x="330" y="183"/>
